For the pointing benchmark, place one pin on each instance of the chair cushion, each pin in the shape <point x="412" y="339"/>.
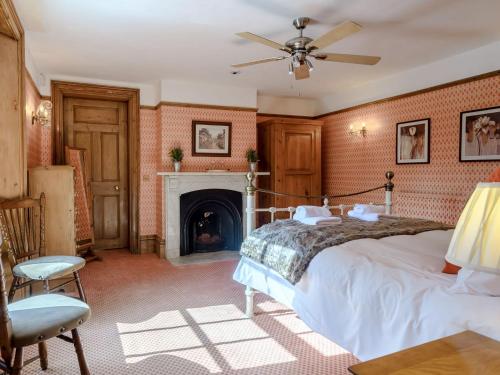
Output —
<point x="41" y="317"/>
<point x="49" y="267"/>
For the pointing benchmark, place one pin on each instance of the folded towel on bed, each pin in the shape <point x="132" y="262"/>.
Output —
<point x="311" y="211"/>
<point x="320" y="220"/>
<point x="364" y="217"/>
<point x="368" y="209"/>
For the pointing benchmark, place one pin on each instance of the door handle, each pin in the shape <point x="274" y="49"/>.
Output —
<point x="116" y="187"/>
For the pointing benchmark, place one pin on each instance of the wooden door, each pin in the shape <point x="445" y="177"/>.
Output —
<point x="100" y="127"/>
<point x="299" y="170"/>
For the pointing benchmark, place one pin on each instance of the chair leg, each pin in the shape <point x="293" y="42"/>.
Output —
<point x="18" y="362"/>
<point x="42" y="352"/>
<point x="46" y="286"/>
<point x="79" y="286"/>
<point x="84" y="370"/>
<point x="13" y="288"/>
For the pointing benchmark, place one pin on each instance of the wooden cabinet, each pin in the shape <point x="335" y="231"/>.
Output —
<point x="12" y="160"/>
<point x="291" y="150"/>
<point x="57" y="182"/>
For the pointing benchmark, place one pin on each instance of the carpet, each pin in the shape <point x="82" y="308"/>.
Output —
<point x="149" y="317"/>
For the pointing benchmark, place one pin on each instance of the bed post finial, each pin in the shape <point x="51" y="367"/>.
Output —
<point x="250" y="189"/>
<point x="389" y="187"/>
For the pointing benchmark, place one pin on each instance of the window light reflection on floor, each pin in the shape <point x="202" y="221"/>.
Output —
<point x="199" y="356"/>
<point x="231" y="331"/>
<point x="164" y="319"/>
<point x="322" y="344"/>
<point x="293" y="323"/>
<point x="270" y="306"/>
<point x="198" y="334"/>
<point x="217" y="313"/>
<point x="254" y="353"/>
<point x="157" y="341"/>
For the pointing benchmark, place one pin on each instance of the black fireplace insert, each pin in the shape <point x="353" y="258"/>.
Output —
<point x="211" y="220"/>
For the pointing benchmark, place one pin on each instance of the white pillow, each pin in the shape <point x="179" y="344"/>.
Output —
<point x="311" y="211"/>
<point x="477" y="282"/>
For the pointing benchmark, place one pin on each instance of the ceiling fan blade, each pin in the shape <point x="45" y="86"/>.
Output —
<point x="301" y="72"/>
<point x="337" y="33"/>
<point x="351" y="59"/>
<point x="255" y="62"/>
<point x="262" y="40"/>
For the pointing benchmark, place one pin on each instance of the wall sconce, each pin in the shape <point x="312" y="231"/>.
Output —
<point x="42" y="114"/>
<point x="360" y="132"/>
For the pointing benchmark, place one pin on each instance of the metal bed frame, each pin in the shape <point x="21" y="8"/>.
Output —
<point x="251" y="212"/>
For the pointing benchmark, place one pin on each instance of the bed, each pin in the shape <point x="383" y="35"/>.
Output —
<point x="377" y="296"/>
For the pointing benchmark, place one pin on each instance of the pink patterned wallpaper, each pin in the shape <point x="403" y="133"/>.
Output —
<point x="170" y="126"/>
<point x="437" y="190"/>
<point x="38" y="138"/>
<point x="33" y="133"/>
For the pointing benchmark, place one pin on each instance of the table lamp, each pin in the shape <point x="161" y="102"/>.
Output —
<point x="475" y="244"/>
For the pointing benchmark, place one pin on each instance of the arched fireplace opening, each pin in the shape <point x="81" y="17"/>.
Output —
<point x="211" y="220"/>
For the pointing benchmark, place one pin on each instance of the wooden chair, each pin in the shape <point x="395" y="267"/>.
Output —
<point x="23" y="225"/>
<point x="33" y="321"/>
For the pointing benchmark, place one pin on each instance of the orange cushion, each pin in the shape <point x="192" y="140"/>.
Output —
<point x="449" y="267"/>
<point x="495" y="176"/>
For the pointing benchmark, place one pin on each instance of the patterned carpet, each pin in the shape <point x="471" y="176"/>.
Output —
<point x="149" y="317"/>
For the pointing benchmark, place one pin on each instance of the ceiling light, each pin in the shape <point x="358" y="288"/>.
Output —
<point x="309" y="65"/>
<point x="290" y="68"/>
<point x="296" y="61"/>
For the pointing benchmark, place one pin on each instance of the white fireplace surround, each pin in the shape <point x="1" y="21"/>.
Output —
<point x="177" y="183"/>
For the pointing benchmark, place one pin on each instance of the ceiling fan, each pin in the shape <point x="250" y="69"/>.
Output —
<point x="302" y="47"/>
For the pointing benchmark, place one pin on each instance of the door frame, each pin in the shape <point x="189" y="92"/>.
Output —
<point x="130" y="96"/>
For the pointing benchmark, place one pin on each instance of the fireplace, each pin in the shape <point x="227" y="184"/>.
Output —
<point x="210" y="220"/>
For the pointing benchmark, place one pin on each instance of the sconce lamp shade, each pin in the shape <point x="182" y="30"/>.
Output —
<point x="476" y="241"/>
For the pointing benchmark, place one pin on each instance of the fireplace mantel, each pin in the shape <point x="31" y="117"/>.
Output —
<point x="177" y="183"/>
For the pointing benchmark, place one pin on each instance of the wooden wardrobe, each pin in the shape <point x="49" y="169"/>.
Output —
<point x="291" y="150"/>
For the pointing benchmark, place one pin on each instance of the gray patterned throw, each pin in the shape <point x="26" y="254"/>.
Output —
<point x="288" y="246"/>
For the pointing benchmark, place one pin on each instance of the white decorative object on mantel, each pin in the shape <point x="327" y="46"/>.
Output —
<point x="177" y="183"/>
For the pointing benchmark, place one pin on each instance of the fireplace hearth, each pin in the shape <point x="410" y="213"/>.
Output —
<point x="210" y="220"/>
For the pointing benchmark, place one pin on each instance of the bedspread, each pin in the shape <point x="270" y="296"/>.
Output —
<point x="288" y="246"/>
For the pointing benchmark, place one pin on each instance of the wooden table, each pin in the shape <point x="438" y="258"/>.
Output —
<point x="463" y="353"/>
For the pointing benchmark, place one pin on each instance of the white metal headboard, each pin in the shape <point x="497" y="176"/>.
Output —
<point x="251" y="210"/>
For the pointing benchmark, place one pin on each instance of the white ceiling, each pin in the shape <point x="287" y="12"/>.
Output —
<point x="149" y="40"/>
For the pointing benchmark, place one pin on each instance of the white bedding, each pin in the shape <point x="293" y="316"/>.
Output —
<point x="375" y="297"/>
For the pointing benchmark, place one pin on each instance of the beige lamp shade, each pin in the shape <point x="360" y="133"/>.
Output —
<point x="476" y="241"/>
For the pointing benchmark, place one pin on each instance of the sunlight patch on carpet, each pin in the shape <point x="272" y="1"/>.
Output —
<point x="254" y="353"/>
<point x="149" y="342"/>
<point x="271" y="306"/>
<point x="164" y="319"/>
<point x="234" y="330"/>
<point x="200" y="356"/>
<point x="293" y="323"/>
<point x="210" y="314"/>
<point x="322" y="344"/>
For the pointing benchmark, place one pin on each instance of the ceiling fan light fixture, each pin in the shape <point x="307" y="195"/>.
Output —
<point x="309" y="65"/>
<point x="300" y="48"/>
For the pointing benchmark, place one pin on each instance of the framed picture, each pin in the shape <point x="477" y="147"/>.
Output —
<point x="480" y="135"/>
<point x="413" y="142"/>
<point x="211" y="138"/>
